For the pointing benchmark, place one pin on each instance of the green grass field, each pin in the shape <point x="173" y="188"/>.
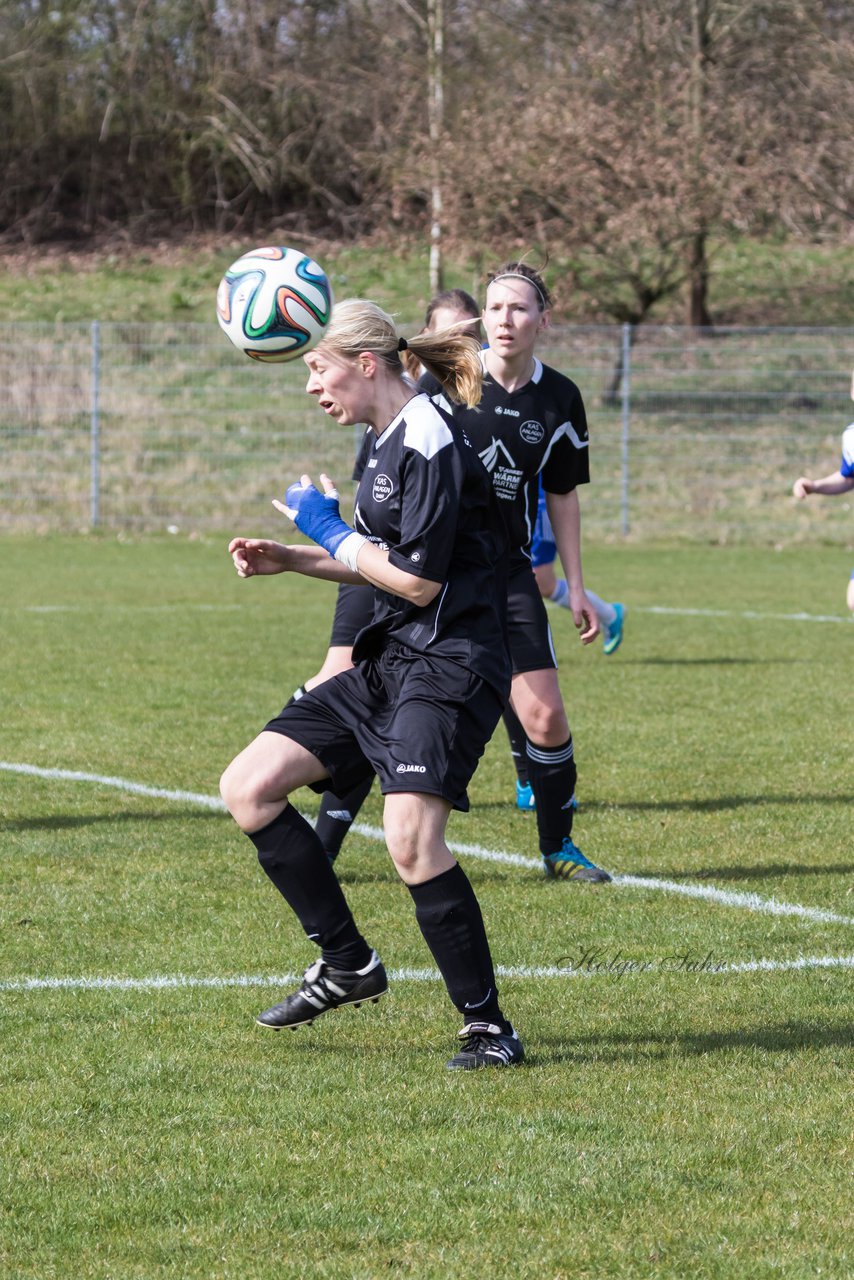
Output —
<point x="685" y="1109"/>
<point x="753" y="281"/>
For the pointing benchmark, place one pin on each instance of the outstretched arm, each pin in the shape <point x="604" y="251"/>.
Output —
<point x="828" y="485"/>
<point x="254" y="556"/>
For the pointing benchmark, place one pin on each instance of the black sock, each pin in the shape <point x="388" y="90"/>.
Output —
<point x="337" y="815"/>
<point x="293" y="858"/>
<point x="518" y="743"/>
<point x="553" y="775"/>
<point x="449" y="917"/>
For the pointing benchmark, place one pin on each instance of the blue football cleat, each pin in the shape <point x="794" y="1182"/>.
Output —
<point x="569" y="863"/>
<point x="524" y="796"/>
<point x="613" y="636"/>
<point x="526" y="802"/>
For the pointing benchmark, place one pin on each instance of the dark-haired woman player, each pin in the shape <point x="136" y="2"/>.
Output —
<point x="530" y="427"/>
<point x="429" y="682"/>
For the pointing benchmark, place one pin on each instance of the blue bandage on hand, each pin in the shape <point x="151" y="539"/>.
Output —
<point x="316" y="515"/>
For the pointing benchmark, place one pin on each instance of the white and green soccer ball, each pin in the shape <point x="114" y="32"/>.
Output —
<point x="274" y="303"/>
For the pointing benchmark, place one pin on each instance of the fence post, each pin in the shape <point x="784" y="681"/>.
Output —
<point x="95" y="429"/>
<point x="626" y="399"/>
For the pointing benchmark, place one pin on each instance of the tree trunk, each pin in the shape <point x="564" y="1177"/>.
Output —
<point x="436" y="115"/>
<point x="699" y="316"/>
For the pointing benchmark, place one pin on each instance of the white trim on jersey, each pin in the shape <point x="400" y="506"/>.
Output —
<point x="427" y="432"/>
<point x="552" y="644"/>
<point x="568" y="430"/>
<point x="388" y="433"/>
<point x="536" y="376"/>
<point x="438" y="612"/>
<point x="529" y="526"/>
<point x="442" y="402"/>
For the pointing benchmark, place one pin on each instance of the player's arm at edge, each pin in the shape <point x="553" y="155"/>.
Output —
<point x="565" y="517"/>
<point x="828" y="486"/>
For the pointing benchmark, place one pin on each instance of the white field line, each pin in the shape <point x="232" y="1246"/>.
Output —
<point x="182" y="607"/>
<point x="120" y="784"/>
<point x="729" y="898"/>
<point x="618" y="968"/>
<point x="751" y="614"/>
<point x="189" y="607"/>
<point x="721" y="897"/>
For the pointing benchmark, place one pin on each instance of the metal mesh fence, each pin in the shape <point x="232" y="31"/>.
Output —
<point x="146" y="427"/>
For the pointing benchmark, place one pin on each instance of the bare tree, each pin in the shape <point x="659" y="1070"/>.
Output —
<point x="621" y="145"/>
<point x="619" y="140"/>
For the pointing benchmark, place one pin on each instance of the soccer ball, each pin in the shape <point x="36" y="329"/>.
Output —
<point x="274" y="303"/>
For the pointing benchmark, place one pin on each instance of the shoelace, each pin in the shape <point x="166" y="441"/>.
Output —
<point x="480" y="1043"/>
<point x="574" y="854"/>
<point x="318" y="988"/>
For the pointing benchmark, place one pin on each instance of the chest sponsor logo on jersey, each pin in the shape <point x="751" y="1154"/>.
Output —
<point x="532" y="432"/>
<point x="499" y="462"/>
<point x="383" y="488"/>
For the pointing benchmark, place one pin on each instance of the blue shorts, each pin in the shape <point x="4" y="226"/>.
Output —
<point x="543" y="546"/>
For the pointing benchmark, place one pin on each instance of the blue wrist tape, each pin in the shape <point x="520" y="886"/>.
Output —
<point x="317" y="516"/>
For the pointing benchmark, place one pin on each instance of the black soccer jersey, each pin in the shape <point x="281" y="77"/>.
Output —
<point x="425" y="496"/>
<point x="538" y="432"/>
<point x="363" y="453"/>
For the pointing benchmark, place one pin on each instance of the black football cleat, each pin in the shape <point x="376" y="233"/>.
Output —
<point x="322" y="989"/>
<point x="485" y="1044"/>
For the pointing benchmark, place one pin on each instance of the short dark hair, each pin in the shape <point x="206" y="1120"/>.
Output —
<point x="454" y="299"/>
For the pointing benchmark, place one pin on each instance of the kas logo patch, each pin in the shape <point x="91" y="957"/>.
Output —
<point x="383" y="488"/>
<point x="532" y="432"/>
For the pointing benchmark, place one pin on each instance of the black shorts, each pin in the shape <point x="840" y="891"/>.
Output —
<point x="354" y="609"/>
<point x="420" y="724"/>
<point x="531" y="647"/>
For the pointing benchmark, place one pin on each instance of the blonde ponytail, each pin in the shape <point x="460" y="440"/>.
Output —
<point x="453" y="356"/>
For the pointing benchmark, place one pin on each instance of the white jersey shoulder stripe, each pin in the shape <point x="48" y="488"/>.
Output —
<point x="426" y="432"/>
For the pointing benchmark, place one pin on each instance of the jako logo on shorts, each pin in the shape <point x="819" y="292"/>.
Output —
<point x="411" y="768"/>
